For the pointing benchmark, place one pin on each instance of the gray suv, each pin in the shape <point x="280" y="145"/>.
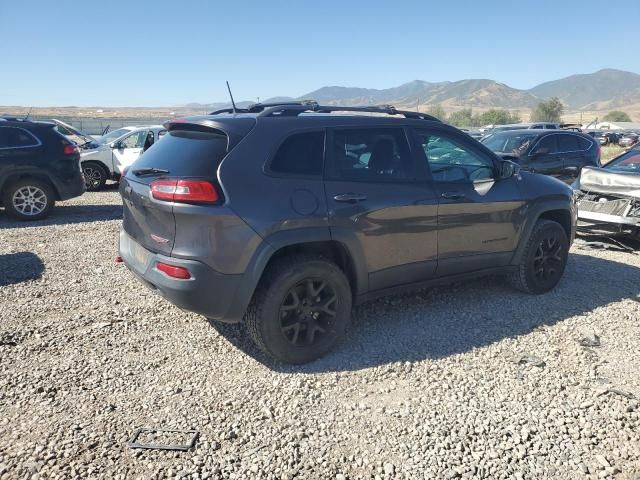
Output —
<point x="284" y="216"/>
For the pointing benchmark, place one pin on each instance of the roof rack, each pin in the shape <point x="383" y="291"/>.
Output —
<point x="288" y="109"/>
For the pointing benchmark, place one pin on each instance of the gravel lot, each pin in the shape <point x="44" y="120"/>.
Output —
<point x="468" y="381"/>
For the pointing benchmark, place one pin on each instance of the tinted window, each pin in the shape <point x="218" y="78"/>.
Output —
<point x="371" y="155"/>
<point x="537" y="127"/>
<point x="568" y="143"/>
<point x="547" y="144"/>
<point x="451" y="161"/>
<point x="186" y="153"/>
<point x="509" y="142"/>
<point x="300" y="154"/>
<point x="12" y="137"/>
<point x="584" y="143"/>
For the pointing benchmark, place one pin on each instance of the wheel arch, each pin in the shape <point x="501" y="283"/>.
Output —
<point x="41" y="176"/>
<point x="281" y="244"/>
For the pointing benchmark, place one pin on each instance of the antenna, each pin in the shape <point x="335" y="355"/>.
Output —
<point x="28" y="114"/>
<point x="231" y="95"/>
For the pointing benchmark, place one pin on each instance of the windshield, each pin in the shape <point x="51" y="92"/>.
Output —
<point x="111" y="136"/>
<point x="627" y="162"/>
<point x="508" y="142"/>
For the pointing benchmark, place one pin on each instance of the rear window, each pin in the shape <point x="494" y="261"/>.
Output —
<point x="14" y="137"/>
<point x="300" y="154"/>
<point x="186" y="153"/>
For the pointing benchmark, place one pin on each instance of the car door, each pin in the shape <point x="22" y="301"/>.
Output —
<point x="574" y="157"/>
<point x="127" y="150"/>
<point x="544" y="157"/>
<point x="380" y="204"/>
<point x="479" y="215"/>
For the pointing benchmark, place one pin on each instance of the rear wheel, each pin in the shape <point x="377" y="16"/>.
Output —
<point x="543" y="260"/>
<point x="95" y="176"/>
<point x="300" y="310"/>
<point x="28" y="199"/>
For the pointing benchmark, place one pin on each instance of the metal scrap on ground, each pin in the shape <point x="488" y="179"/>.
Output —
<point x="158" y="439"/>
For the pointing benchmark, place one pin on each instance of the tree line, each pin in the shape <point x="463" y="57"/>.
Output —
<point x="546" y="111"/>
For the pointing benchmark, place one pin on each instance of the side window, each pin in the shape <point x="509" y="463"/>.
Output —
<point x="372" y="154"/>
<point x="13" y="137"/>
<point x="135" y="140"/>
<point x="568" y="143"/>
<point x="537" y="127"/>
<point x="451" y="161"/>
<point x="546" y="146"/>
<point x="584" y="143"/>
<point x="300" y="154"/>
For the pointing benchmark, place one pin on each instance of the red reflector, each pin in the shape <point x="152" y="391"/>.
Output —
<point x="118" y="259"/>
<point x="186" y="191"/>
<point x="173" y="271"/>
<point x="70" y="150"/>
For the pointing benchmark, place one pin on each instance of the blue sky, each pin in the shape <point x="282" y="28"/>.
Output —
<point x="157" y="53"/>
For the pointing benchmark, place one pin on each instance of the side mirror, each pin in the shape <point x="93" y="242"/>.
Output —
<point x="508" y="169"/>
<point x="117" y="146"/>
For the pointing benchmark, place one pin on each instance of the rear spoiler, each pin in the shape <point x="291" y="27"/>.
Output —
<point x="234" y="128"/>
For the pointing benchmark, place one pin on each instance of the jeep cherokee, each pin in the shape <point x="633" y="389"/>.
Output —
<point x="284" y="216"/>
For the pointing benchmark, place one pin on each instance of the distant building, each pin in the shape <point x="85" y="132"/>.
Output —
<point x="612" y="126"/>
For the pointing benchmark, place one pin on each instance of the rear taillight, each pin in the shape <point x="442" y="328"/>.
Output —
<point x="70" y="150"/>
<point x="172" y="271"/>
<point x="184" y="191"/>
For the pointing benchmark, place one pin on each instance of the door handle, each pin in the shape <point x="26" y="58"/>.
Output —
<point x="350" y="197"/>
<point x="453" y="195"/>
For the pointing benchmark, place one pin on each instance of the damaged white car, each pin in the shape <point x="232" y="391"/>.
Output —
<point x="609" y="197"/>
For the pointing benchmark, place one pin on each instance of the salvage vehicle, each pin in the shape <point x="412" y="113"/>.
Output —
<point x="282" y="216"/>
<point x="115" y="152"/>
<point x="558" y="153"/>
<point x="609" y="197"/>
<point x="38" y="166"/>
<point x="629" y="140"/>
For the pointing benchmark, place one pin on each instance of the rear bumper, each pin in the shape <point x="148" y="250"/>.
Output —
<point x="207" y="292"/>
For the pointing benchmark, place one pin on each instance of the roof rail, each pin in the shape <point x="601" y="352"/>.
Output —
<point x="288" y="109"/>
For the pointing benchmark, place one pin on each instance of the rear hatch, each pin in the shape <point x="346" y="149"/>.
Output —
<point x="189" y="153"/>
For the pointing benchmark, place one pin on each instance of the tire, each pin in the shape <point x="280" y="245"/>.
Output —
<point x="300" y="310"/>
<point x="95" y="176"/>
<point x="29" y="199"/>
<point x="543" y="260"/>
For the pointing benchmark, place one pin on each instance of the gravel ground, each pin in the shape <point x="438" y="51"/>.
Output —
<point x="468" y="381"/>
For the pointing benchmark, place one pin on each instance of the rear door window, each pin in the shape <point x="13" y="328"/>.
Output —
<point x="568" y="143"/>
<point x="300" y="154"/>
<point x="371" y="155"/>
<point x="584" y="143"/>
<point x="547" y="145"/>
<point x="14" y="137"/>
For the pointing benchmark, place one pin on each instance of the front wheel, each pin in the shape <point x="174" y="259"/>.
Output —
<point x="302" y="307"/>
<point x="28" y="199"/>
<point x="543" y="260"/>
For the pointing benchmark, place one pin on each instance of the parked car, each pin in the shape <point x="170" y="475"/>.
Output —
<point x="38" y="166"/>
<point x="115" y="152"/>
<point x="473" y="133"/>
<point x="629" y="140"/>
<point x="283" y="216"/>
<point x="608" y="138"/>
<point x="609" y="197"/>
<point x="558" y="153"/>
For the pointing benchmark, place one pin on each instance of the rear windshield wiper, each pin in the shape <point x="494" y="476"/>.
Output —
<point x="149" y="171"/>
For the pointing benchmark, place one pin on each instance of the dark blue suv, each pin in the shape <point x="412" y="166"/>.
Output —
<point x="38" y="166"/>
<point x="284" y="216"/>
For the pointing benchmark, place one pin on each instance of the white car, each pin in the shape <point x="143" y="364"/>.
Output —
<point x="116" y="151"/>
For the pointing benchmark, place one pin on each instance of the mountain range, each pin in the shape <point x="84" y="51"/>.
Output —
<point x="601" y="90"/>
